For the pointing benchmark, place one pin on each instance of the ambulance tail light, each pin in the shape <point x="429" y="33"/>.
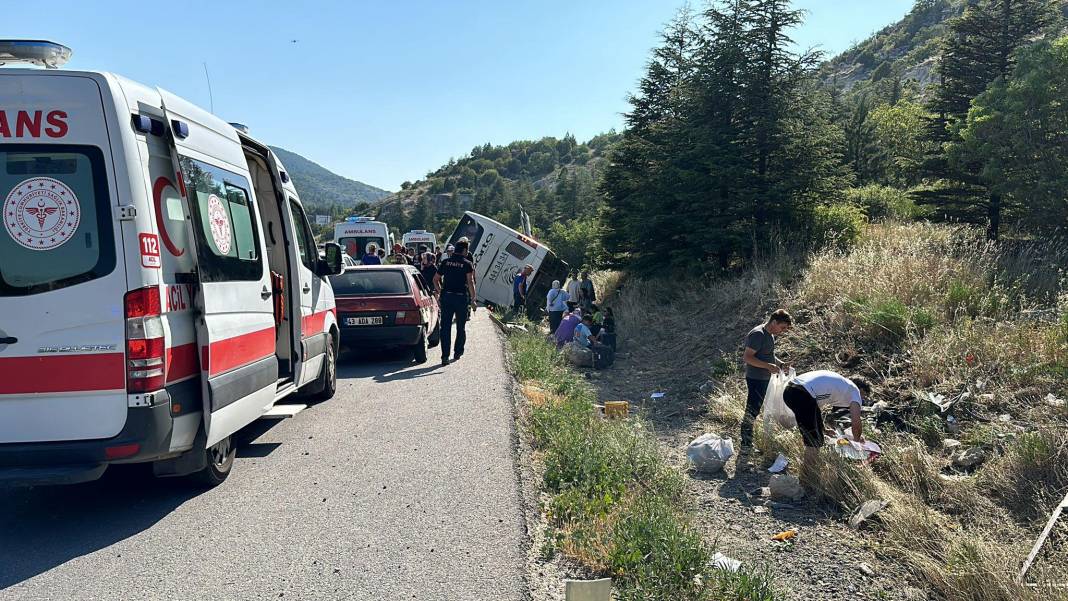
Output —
<point x="146" y="349"/>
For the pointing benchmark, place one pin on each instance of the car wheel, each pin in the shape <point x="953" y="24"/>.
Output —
<point x="419" y="350"/>
<point x="220" y="457"/>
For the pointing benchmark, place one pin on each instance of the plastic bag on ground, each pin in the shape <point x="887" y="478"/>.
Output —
<point x="709" y="452"/>
<point x="775" y="409"/>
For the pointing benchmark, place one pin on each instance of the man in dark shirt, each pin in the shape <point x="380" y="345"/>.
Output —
<point x="760" y="364"/>
<point x="456" y="282"/>
<point x="519" y="288"/>
<point x="428" y="268"/>
<point x="371" y="256"/>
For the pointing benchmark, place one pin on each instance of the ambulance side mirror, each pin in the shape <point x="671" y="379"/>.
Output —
<point x="331" y="265"/>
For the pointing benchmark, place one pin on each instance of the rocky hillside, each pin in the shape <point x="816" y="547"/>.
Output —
<point x="320" y="187"/>
<point x="906" y="50"/>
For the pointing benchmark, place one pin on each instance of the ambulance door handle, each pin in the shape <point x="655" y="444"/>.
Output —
<point x="306" y="288"/>
<point x="8" y="340"/>
<point x="265" y="293"/>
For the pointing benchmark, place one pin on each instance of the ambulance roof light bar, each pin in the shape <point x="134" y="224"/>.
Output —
<point x="355" y="219"/>
<point x="42" y="53"/>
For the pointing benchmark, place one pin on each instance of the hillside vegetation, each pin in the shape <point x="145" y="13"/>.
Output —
<point x="553" y="179"/>
<point x="323" y="190"/>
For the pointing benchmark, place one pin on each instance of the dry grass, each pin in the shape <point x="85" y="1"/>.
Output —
<point x="916" y="308"/>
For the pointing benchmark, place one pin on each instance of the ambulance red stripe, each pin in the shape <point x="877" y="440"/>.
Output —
<point x="62" y="373"/>
<point x="238" y="351"/>
<point x="314" y="324"/>
<point x="182" y="362"/>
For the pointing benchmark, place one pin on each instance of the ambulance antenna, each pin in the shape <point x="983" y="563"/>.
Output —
<point x="211" y="98"/>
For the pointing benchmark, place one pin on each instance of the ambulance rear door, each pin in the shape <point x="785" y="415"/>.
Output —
<point x="235" y="321"/>
<point x="62" y="330"/>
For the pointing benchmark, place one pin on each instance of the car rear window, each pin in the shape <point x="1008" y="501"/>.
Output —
<point x="368" y="282"/>
<point x="57" y="228"/>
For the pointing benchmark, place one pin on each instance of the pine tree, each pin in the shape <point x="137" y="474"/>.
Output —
<point x="979" y="49"/>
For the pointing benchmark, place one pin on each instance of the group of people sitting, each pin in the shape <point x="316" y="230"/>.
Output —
<point x="586" y="332"/>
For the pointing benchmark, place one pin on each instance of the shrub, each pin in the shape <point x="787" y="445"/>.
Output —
<point x="1031" y="476"/>
<point x="839" y="225"/>
<point x="884" y="203"/>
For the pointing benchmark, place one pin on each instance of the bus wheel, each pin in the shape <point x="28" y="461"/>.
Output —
<point x="220" y="457"/>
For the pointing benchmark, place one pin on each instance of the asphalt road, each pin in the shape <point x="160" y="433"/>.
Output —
<point x="401" y="487"/>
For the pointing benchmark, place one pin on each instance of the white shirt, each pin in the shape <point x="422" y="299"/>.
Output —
<point x="573" y="289"/>
<point x="829" y="388"/>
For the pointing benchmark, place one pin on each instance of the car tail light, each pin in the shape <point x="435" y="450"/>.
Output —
<point x="408" y="318"/>
<point x="122" y="451"/>
<point x="146" y="349"/>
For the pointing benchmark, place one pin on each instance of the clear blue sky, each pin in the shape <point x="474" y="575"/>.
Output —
<point x="384" y="92"/>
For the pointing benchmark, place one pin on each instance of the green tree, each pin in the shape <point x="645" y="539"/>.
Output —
<point x="899" y="132"/>
<point x="863" y="152"/>
<point x="1016" y="137"/>
<point x="978" y="49"/>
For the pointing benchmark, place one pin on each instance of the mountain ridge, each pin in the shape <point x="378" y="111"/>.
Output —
<point x="320" y="187"/>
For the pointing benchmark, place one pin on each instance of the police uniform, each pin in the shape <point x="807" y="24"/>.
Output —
<point x="454" y="302"/>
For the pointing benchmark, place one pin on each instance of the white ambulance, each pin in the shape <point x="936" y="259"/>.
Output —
<point x="160" y="287"/>
<point x="499" y="254"/>
<point x="356" y="235"/>
<point x="419" y="238"/>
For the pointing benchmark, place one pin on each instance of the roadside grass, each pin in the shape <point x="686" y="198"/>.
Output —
<point x="615" y="505"/>
<point x="922" y="311"/>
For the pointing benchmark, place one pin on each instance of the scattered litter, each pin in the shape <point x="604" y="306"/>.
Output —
<point x="1005" y="417"/>
<point x="778" y="505"/>
<point x="865" y="512"/>
<point x="936" y="399"/>
<point x="949" y="444"/>
<point x="969" y="458"/>
<point x="780" y="464"/>
<point x="785" y="535"/>
<point x="866" y="570"/>
<point x="952" y="425"/>
<point x="760" y="509"/>
<point x="845" y="446"/>
<point x="588" y="590"/>
<point x="785" y="487"/>
<point x="708" y="452"/>
<point x="1053" y="401"/>
<point x="657" y="395"/>
<point x="616" y="408"/>
<point x="723" y="562"/>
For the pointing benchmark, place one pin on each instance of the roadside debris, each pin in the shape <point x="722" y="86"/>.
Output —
<point x="708" y="452"/>
<point x="723" y="562"/>
<point x="950" y="444"/>
<point x="657" y="395"/>
<point x="865" y="512"/>
<point x="779" y="465"/>
<point x="616" y="409"/>
<point x="785" y="487"/>
<point x="785" y="535"/>
<point x="866" y="570"/>
<point x="969" y="458"/>
<point x="588" y="590"/>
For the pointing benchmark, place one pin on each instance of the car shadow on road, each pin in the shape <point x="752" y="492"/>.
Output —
<point x="383" y="366"/>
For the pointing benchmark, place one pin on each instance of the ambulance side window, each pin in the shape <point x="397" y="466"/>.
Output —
<point x="305" y="239"/>
<point x="224" y="223"/>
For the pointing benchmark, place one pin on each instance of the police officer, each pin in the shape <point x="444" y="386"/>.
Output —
<point x="455" y="281"/>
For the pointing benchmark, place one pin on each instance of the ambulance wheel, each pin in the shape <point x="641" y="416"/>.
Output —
<point x="220" y="457"/>
<point x="419" y="350"/>
<point x="326" y="385"/>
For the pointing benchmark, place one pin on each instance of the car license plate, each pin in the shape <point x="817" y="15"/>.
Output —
<point x="363" y="321"/>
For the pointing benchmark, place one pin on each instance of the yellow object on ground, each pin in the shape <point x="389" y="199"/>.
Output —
<point x="785" y="534"/>
<point x="616" y="408"/>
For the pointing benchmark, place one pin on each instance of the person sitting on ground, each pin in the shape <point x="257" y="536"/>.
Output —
<point x="371" y="256"/>
<point x="807" y="393"/>
<point x="555" y="305"/>
<point x="566" y="330"/>
<point x="587" y="347"/>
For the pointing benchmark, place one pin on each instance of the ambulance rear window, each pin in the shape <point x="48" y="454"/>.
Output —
<point x="57" y="228"/>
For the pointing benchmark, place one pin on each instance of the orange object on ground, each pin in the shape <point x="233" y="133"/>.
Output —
<point x="616" y="408"/>
<point x="785" y="534"/>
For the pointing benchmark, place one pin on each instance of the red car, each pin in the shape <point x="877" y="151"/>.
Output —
<point x="382" y="306"/>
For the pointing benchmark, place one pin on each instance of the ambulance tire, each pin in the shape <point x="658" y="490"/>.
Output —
<point x="324" y="387"/>
<point x="419" y="350"/>
<point x="220" y="459"/>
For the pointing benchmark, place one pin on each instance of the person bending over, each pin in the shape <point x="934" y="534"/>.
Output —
<point x="811" y="391"/>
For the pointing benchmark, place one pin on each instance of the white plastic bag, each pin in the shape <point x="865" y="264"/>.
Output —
<point x="775" y="409"/>
<point x="709" y="452"/>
